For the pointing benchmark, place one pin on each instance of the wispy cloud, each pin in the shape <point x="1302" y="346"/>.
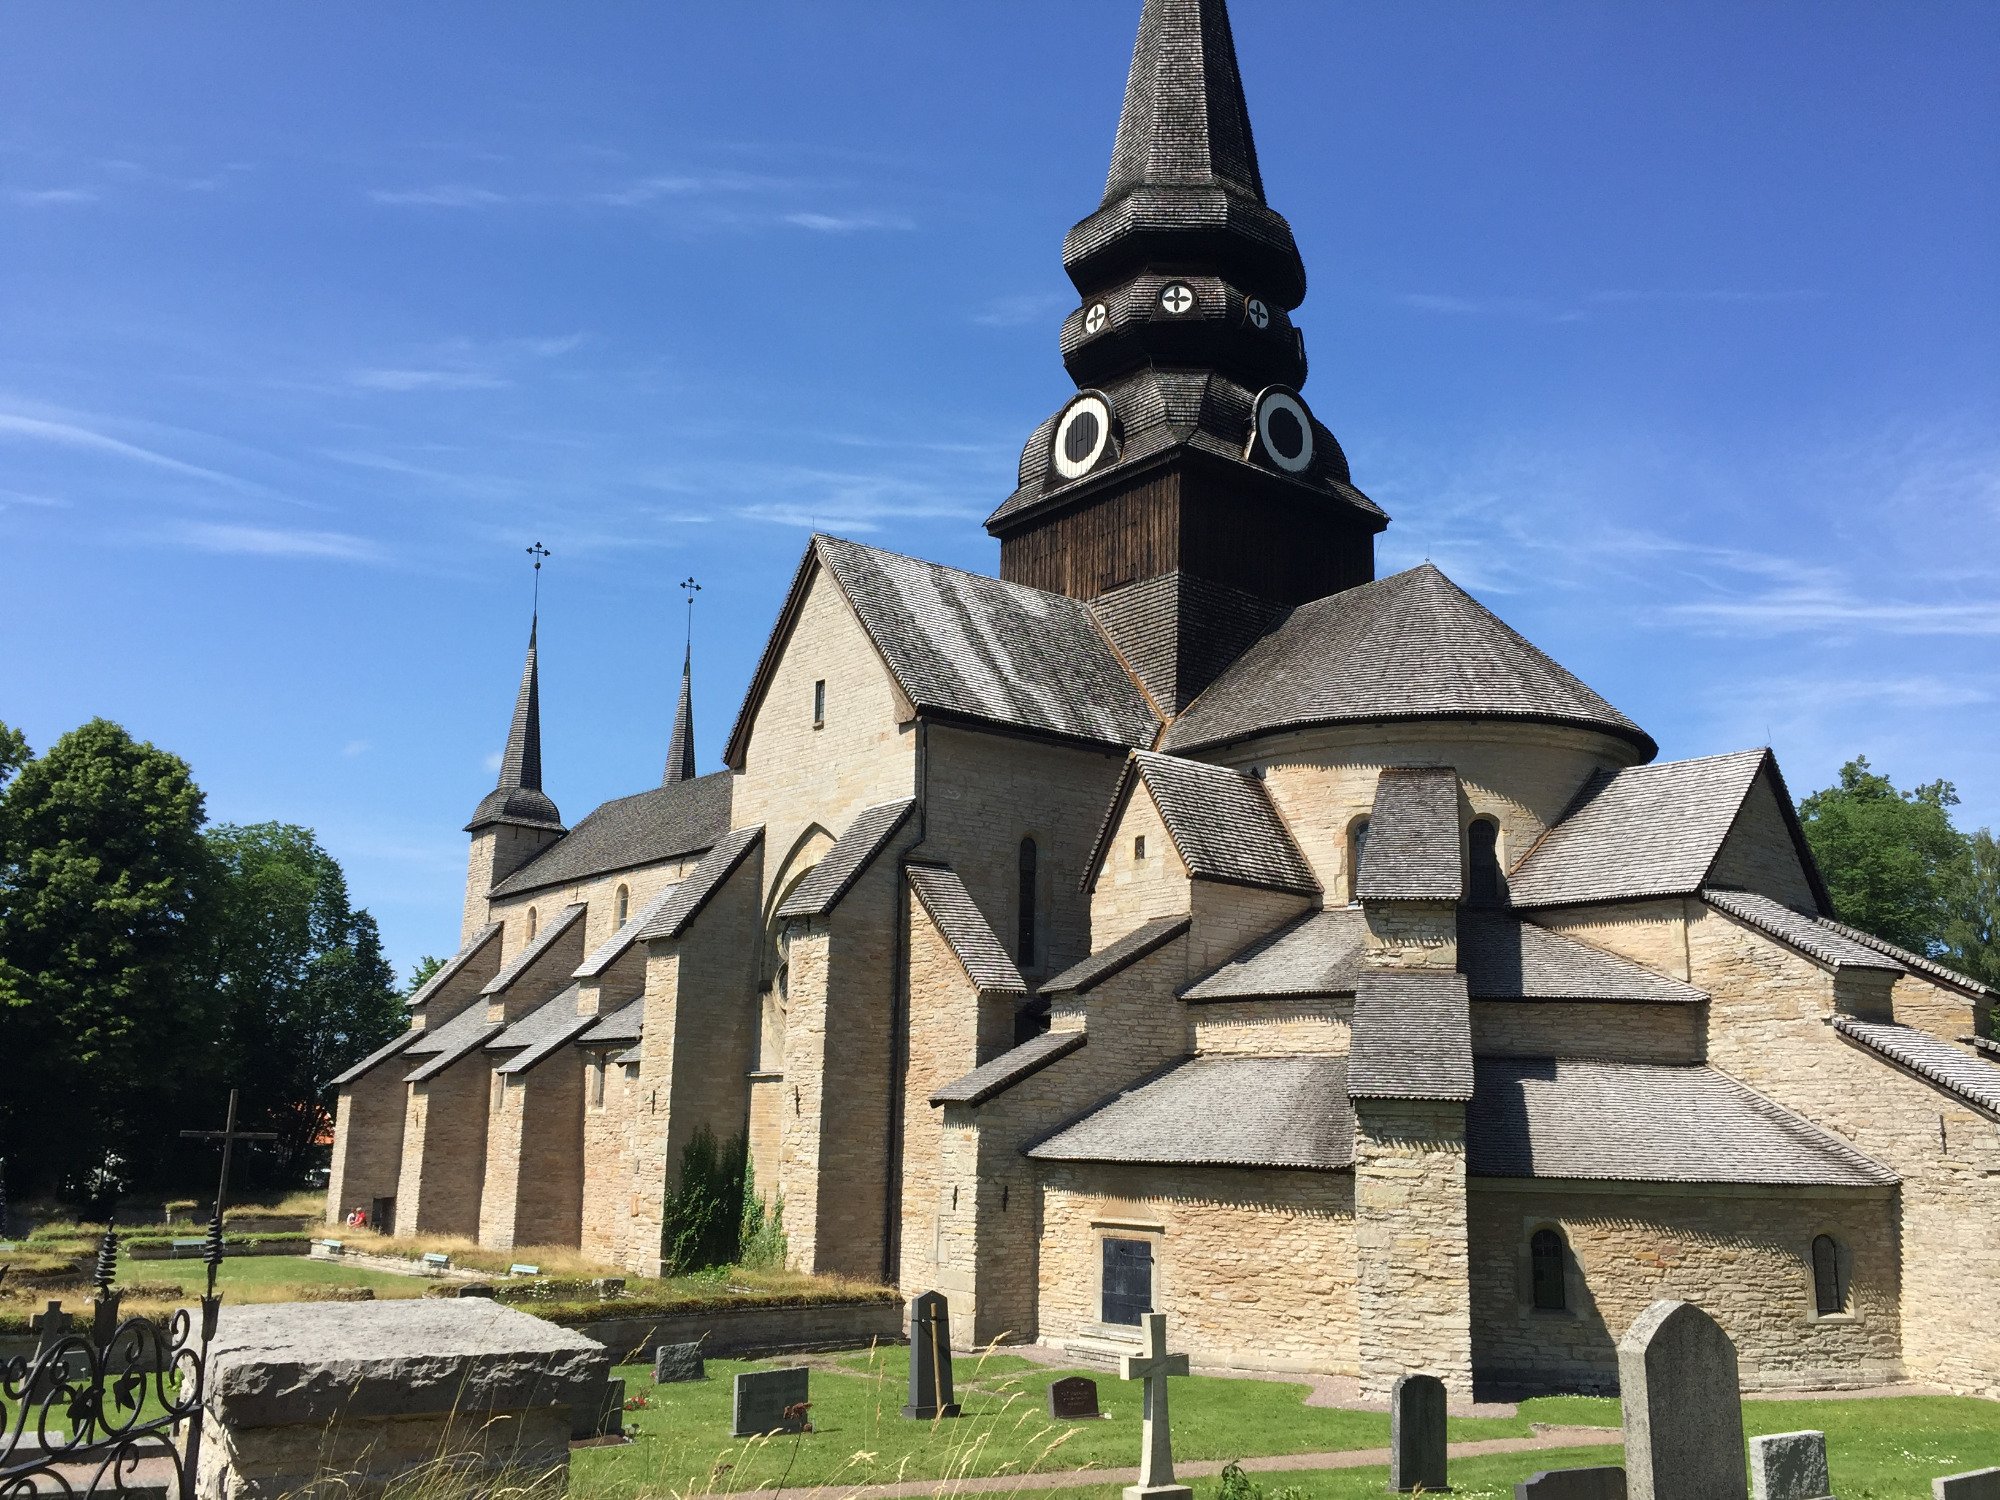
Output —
<point x="39" y="502"/>
<point x="1783" y="611"/>
<point x="1578" y="308"/>
<point x="42" y="197"/>
<point x="465" y="364"/>
<point x="268" y="541"/>
<point x="443" y="195"/>
<point x="847" y="223"/>
<point x="72" y="435"/>
<point x="1022" y="308"/>
<point x="426" y="380"/>
<point x="355" y="747"/>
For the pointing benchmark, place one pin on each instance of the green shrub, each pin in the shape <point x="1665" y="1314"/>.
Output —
<point x="703" y="1222"/>
<point x="761" y="1245"/>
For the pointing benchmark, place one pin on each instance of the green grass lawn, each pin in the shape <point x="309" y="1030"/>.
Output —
<point x="1878" y="1449"/>
<point x="267" y="1278"/>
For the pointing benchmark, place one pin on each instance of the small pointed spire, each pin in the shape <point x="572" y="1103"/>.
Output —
<point x="1185" y="121"/>
<point x="680" y="749"/>
<point x="517" y="797"/>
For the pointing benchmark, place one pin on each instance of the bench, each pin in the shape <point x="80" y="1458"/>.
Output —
<point x="329" y="1247"/>
<point x="518" y="1269"/>
<point x="196" y="1244"/>
<point x="435" y="1260"/>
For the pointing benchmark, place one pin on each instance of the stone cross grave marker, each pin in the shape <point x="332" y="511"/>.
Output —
<point x="673" y="1363"/>
<point x="1156" y="1457"/>
<point x="1789" y="1466"/>
<point x="1978" y="1484"/>
<point x="930" y="1359"/>
<point x="51" y="1326"/>
<point x="1605" y="1483"/>
<point x="770" y="1401"/>
<point x="1683" y="1411"/>
<point x="1073" y="1398"/>
<point x="1416" y="1433"/>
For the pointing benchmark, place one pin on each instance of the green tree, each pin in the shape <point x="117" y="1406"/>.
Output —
<point x="1893" y="863"/>
<point x="13" y="752"/>
<point x="103" y="876"/>
<point x="1973" y="934"/>
<point x="299" y="973"/>
<point x="420" y="973"/>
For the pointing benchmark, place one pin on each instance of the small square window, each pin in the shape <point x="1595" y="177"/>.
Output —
<point x="1128" y="1281"/>
<point x="1139" y="847"/>
<point x="819" y="703"/>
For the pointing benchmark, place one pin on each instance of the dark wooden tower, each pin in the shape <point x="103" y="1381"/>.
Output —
<point x="1186" y="489"/>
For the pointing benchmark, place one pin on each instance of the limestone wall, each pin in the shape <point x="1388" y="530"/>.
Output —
<point x="609" y="1204"/>
<point x="497" y="851"/>
<point x="1274" y="1027"/>
<point x="1768" y="1028"/>
<point x="1759" y="855"/>
<point x="1945" y="1013"/>
<point x="1412" y="934"/>
<point x="1254" y="1269"/>
<point x="1653" y="933"/>
<point x="1130" y="888"/>
<point x="1410" y="1245"/>
<point x="367" y="1140"/>
<point x="444" y="1150"/>
<point x="1743" y="1255"/>
<point x="983" y="794"/>
<point x="535" y="1157"/>
<point x="1522" y="775"/>
<point x="600" y="893"/>
<point x="1570" y="1028"/>
<point x="1229" y="918"/>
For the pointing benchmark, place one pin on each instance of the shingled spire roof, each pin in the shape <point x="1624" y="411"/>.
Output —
<point x="680" y="749"/>
<point x="518" y="798"/>
<point x="1184" y="120"/>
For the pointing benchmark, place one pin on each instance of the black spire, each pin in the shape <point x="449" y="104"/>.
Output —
<point x="1185" y="485"/>
<point x="680" y="749"/>
<point x="518" y="798"/>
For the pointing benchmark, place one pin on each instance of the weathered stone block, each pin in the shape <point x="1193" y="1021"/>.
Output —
<point x="1976" y="1484"/>
<point x="771" y="1401"/>
<point x="1606" y="1483"/>
<point x="673" y="1363"/>
<point x="1789" y="1466"/>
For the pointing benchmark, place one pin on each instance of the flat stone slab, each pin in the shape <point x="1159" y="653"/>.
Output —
<point x="1602" y="1483"/>
<point x="1789" y="1466"/>
<point x="1976" y="1484"/>
<point x="770" y="1401"/>
<point x="281" y="1364"/>
<point x="673" y="1363"/>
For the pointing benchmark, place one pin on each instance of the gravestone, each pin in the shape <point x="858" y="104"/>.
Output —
<point x="1416" y="1433"/>
<point x="1156" y="1454"/>
<point x="930" y="1359"/>
<point x="51" y="1327"/>
<point x="1789" y="1466"/>
<point x="611" y="1416"/>
<point x="1073" y="1398"/>
<point x="1978" y="1484"/>
<point x="1683" y="1411"/>
<point x="1606" y="1483"/>
<point x="673" y="1363"/>
<point x="770" y="1401"/>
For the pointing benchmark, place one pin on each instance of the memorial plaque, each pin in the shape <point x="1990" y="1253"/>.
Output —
<point x="770" y="1401"/>
<point x="673" y="1363"/>
<point x="1606" y="1483"/>
<point x="930" y="1359"/>
<point x="1073" y="1398"/>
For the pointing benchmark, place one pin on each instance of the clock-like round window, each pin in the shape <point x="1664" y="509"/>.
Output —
<point x="1284" y="431"/>
<point x="1178" y="298"/>
<point x="1082" y="436"/>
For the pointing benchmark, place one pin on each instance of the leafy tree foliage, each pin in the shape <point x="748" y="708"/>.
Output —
<point x="420" y="973"/>
<point x="1893" y="863"/>
<point x="1973" y="935"/>
<point x="303" y="987"/>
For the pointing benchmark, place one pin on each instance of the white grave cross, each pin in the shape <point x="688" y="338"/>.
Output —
<point x="1156" y="1460"/>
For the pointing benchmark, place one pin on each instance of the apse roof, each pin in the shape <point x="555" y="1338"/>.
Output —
<point x="1410" y="646"/>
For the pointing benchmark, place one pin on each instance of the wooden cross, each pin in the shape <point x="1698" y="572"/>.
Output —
<point x="229" y="1135"/>
<point x="1156" y="1459"/>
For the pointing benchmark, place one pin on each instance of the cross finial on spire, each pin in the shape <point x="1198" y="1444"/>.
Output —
<point x="537" y="552"/>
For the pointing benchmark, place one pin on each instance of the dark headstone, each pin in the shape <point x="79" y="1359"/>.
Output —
<point x="770" y="1401"/>
<point x="1416" y="1433"/>
<point x="611" y="1415"/>
<point x="1683" y="1410"/>
<point x="673" y="1363"/>
<point x="1073" y="1398"/>
<point x="1979" y="1484"/>
<point x="930" y="1358"/>
<point x="1789" y="1466"/>
<point x="1573" y="1484"/>
<point x="475" y="1289"/>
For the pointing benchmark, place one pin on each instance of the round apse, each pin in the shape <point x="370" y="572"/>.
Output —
<point x="1082" y="436"/>
<point x="1284" y="431"/>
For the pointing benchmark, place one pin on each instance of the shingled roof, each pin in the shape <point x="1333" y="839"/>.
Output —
<point x="852" y="853"/>
<point x="668" y="822"/>
<point x="552" y="931"/>
<point x="1224" y="1112"/>
<point x="442" y="1046"/>
<point x="1971" y="1080"/>
<point x="1646" y="1122"/>
<point x="1646" y="831"/>
<point x="455" y="965"/>
<point x="1504" y="958"/>
<point x="1320" y="954"/>
<point x="966" y="646"/>
<point x="518" y="797"/>
<point x="1413" y="850"/>
<point x="1412" y="1036"/>
<point x="966" y="929"/>
<point x="1117" y="956"/>
<point x="702" y="882"/>
<point x="1410" y="646"/>
<point x="1796" y="929"/>
<point x="1220" y="820"/>
<point x="1916" y="963"/>
<point x="994" y="1078"/>
<point x="620" y="942"/>
<point x="542" y="1032"/>
<point x="374" y="1059"/>
<point x="620" y="1028"/>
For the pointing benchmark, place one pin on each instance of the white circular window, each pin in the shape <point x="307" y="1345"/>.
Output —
<point x="1082" y="436"/>
<point x="1177" y="297"/>
<point x="1258" y="314"/>
<point x="1284" y="430"/>
<point x="1096" y="318"/>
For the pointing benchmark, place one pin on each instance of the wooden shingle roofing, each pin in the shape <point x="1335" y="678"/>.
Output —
<point x="1221" y="821"/>
<point x="1413" y="847"/>
<point x="1412" y="1036"/>
<point x="1972" y="1080"/>
<point x="965" y="928"/>
<point x="1410" y="646"/>
<point x="668" y="822"/>
<point x="852" y="853"/>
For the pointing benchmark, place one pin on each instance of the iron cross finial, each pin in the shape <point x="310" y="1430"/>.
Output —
<point x="690" y="588"/>
<point x="538" y="552"/>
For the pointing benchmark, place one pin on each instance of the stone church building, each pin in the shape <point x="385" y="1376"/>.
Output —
<point x="1189" y="919"/>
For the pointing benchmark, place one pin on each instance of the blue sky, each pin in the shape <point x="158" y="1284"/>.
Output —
<point x="1669" y="331"/>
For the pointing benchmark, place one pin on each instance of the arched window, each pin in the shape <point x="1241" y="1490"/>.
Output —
<point x="1357" y="846"/>
<point x="534" y="923"/>
<point x="1546" y="1255"/>
<point x="1024" y="946"/>
<point x="1829" y="1286"/>
<point x="1482" y="847"/>
<point x="622" y="905"/>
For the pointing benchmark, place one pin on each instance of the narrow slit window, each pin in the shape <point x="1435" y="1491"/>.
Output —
<point x="622" y="905"/>
<point x="1128" y="1281"/>
<point x="1357" y="850"/>
<point x="1546" y="1255"/>
<point x="819" y="703"/>
<point x="1482" y="847"/>
<point x="534" y="923"/>
<point x="1829" y="1286"/>
<point x="597" y="1081"/>
<point x="1024" y="937"/>
<point x="1139" y="847"/>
